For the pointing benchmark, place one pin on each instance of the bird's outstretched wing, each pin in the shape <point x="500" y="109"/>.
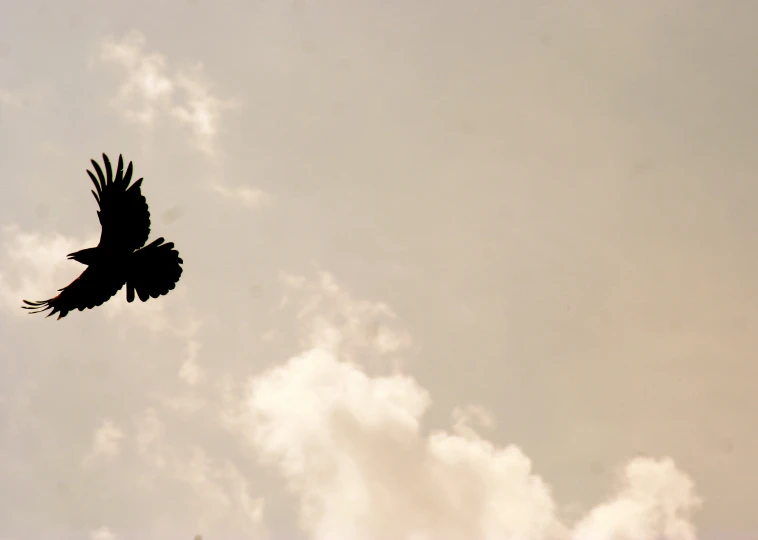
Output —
<point x="92" y="288"/>
<point x="123" y="214"/>
<point x="154" y="271"/>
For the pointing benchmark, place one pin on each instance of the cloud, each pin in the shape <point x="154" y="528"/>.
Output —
<point x="149" y="438"/>
<point x="351" y="448"/>
<point x="32" y="264"/>
<point x="200" y="110"/>
<point x="244" y="195"/>
<point x="23" y="99"/>
<point x="466" y="419"/>
<point x="218" y="491"/>
<point x="342" y="422"/>
<point x="147" y="314"/>
<point x="153" y="315"/>
<point x="353" y="452"/>
<point x="654" y="501"/>
<point x="151" y="89"/>
<point x="106" y="444"/>
<point x="222" y="489"/>
<point x="11" y="99"/>
<point x="329" y="317"/>
<point x="103" y="533"/>
<point x="191" y="372"/>
<point x="147" y="88"/>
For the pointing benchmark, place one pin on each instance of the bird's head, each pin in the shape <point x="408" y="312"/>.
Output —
<point x="85" y="256"/>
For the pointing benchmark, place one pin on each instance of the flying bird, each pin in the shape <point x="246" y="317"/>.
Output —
<point x="121" y="257"/>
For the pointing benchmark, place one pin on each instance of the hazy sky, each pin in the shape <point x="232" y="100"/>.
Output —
<point x="453" y="270"/>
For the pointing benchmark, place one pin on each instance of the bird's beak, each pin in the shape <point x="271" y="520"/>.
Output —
<point x="70" y="256"/>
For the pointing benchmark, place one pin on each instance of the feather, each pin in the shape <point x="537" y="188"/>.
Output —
<point x="99" y="173"/>
<point x="108" y="171"/>
<point x="97" y="184"/>
<point x="119" y="172"/>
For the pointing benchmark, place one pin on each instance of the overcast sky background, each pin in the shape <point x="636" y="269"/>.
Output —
<point x="453" y="269"/>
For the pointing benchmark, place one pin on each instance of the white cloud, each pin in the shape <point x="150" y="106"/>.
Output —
<point x="353" y="452"/>
<point x="200" y="109"/>
<point x="185" y="94"/>
<point x="149" y="438"/>
<point x="106" y="444"/>
<point x="221" y="489"/>
<point x="153" y="314"/>
<point x="23" y="99"/>
<point x="191" y="372"/>
<point x="147" y="88"/>
<point x="34" y="265"/>
<point x="11" y="99"/>
<point x="244" y="195"/>
<point x="355" y="329"/>
<point x="186" y="404"/>
<point x="218" y="492"/>
<point x="147" y="314"/>
<point x="655" y="501"/>
<point x="103" y="533"/>
<point x="466" y="419"/>
<point x="151" y="89"/>
<point x="351" y="449"/>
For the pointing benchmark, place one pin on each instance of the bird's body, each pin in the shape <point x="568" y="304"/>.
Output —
<point x="121" y="256"/>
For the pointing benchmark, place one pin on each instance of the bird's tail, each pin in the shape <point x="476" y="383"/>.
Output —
<point x="154" y="271"/>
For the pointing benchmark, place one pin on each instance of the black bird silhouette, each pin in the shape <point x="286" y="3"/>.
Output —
<point x="119" y="258"/>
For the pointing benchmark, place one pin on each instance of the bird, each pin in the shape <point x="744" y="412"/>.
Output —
<point x="121" y="256"/>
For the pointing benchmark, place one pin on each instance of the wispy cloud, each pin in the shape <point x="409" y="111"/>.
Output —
<point x="106" y="444"/>
<point x="22" y="99"/>
<point x="103" y="533"/>
<point x="147" y="89"/>
<point x="151" y="89"/>
<point x="220" y="491"/>
<point x="247" y="196"/>
<point x="154" y="315"/>
<point x="199" y="109"/>
<point x="191" y="372"/>
<point x="149" y="438"/>
<point x="33" y="266"/>
<point x="331" y="318"/>
<point x="11" y="99"/>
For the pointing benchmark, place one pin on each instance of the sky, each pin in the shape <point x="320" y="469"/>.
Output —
<point x="452" y="270"/>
